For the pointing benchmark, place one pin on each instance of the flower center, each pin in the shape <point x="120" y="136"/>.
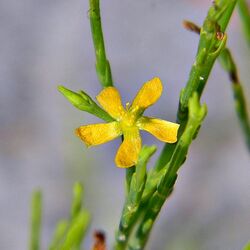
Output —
<point x="130" y="117"/>
<point x="128" y="120"/>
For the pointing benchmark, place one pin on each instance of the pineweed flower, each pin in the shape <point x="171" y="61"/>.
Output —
<point x="128" y="121"/>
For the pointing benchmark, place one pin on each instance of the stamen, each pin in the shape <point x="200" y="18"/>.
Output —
<point x="127" y="105"/>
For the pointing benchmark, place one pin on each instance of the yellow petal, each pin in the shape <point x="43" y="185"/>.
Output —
<point x="162" y="130"/>
<point x="96" y="134"/>
<point x="127" y="154"/>
<point x="110" y="100"/>
<point x="148" y="94"/>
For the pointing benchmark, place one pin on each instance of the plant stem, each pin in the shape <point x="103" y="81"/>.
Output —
<point x="244" y="12"/>
<point x="69" y="234"/>
<point x="36" y="217"/>
<point x="102" y="64"/>
<point x="247" y="246"/>
<point x="129" y="174"/>
<point x="132" y="203"/>
<point x="212" y="41"/>
<point x="229" y="65"/>
<point x="227" y="62"/>
<point x="208" y="50"/>
<point x="165" y="187"/>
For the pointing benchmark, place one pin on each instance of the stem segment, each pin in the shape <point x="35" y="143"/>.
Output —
<point x="189" y="115"/>
<point x="212" y="42"/>
<point x="133" y="200"/>
<point x="102" y="64"/>
<point x="229" y="65"/>
<point x="36" y="218"/>
<point x="227" y="62"/>
<point x="165" y="187"/>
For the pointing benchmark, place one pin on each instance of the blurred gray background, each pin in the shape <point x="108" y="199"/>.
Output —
<point x="46" y="43"/>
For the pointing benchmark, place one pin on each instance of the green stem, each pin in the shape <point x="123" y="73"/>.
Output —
<point x="227" y="62"/>
<point x="69" y="234"/>
<point x="129" y="174"/>
<point x="36" y="217"/>
<point x="165" y="187"/>
<point x="132" y="203"/>
<point x="247" y="246"/>
<point x="212" y="42"/>
<point x="229" y="65"/>
<point x="244" y="12"/>
<point x="102" y="64"/>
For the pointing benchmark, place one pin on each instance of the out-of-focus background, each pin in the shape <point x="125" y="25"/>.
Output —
<point x="46" y="43"/>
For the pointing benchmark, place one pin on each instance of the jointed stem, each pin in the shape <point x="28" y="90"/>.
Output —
<point x="227" y="62"/>
<point x="212" y="41"/>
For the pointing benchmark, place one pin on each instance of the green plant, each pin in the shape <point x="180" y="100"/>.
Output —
<point x="148" y="190"/>
<point x="69" y="233"/>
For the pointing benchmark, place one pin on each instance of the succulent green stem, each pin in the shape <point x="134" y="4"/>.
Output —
<point x="102" y="64"/>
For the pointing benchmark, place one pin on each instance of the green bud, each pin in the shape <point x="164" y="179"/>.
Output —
<point x="84" y="102"/>
<point x="77" y="199"/>
<point x="80" y="100"/>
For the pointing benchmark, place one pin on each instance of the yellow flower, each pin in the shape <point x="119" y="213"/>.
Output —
<point x="128" y="122"/>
